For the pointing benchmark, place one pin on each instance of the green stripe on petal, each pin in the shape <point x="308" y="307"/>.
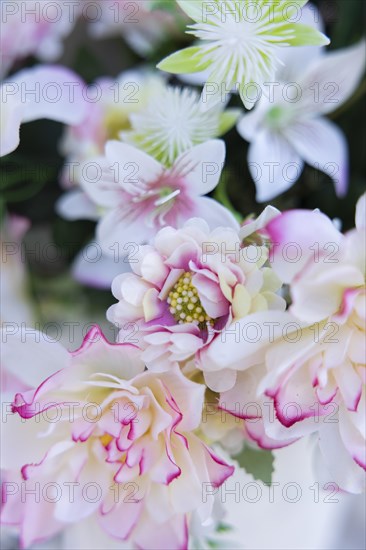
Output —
<point x="189" y="60"/>
<point x="302" y="35"/>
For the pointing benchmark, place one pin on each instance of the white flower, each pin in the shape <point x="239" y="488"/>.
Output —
<point x="173" y="122"/>
<point x="288" y="128"/>
<point x="136" y="195"/>
<point x="239" y="42"/>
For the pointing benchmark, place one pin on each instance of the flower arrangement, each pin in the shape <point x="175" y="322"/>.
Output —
<point x="206" y="334"/>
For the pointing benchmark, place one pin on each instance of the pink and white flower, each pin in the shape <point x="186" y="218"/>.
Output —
<point x="323" y="368"/>
<point x="45" y="91"/>
<point x="119" y="429"/>
<point x="186" y="290"/>
<point x="34" y="28"/>
<point x="136" y="195"/>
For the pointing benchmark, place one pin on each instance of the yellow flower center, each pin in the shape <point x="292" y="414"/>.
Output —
<point x="115" y="122"/>
<point x="185" y="305"/>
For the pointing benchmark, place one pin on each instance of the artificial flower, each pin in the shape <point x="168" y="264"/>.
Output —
<point x="120" y="429"/>
<point x="186" y="290"/>
<point x="239" y="41"/>
<point x="137" y="195"/>
<point x="287" y="126"/>
<point x="174" y="122"/>
<point x="33" y="28"/>
<point x="45" y="91"/>
<point x="322" y="369"/>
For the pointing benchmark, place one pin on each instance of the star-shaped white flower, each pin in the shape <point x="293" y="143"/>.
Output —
<point x="174" y="122"/>
<point x="239" y="43"/>
<point x="288" y="128"/>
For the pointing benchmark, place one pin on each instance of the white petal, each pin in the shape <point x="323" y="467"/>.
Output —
<point x="322" y="145"/>
<point x="220" y="381"/>
<point x="248" y="125"/>
<point x="245" y="340"/>
<point x="259" y="223"/>
<point x="101" y="182"/>
<point x="93" y="268"/>
<point x="31" y="355"/>
<point x="297" y="59"/>
<point x="11" y="117"/>
<point x="274" y="164"/>
<point x="332" y="79"/>
<point x="53" y="98"/>
<point x="21" y="443"/>
<point x="214" y="213"/>
<point x="202" y="165"/>
<point x="133" y="163"/>
<point x="361" y="213"/>
<point x="115" y="232"/>
<point x="342" y="467"/>
<point x="75" y="205"/>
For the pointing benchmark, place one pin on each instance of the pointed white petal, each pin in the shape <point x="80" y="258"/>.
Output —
<point x="118" y="232"/>
<point x="11" y="118"/>
<point x="133" y="164"/>
<point x="332" y="79"/>
<point x="52" y="98"/>
<point x="75" y="205"/>
<point x="31" y="355"/>
<point x="274" y="164"/>
<point x="322" y="145"/>
<point x="361" y="213"/>
<point x="201" y="166"/>
<point x="214" y="213"/>
<point x="95" y="269"/>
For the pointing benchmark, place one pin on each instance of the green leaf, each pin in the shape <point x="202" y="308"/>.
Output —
<point x="2" y="210"/>
<point x="188" y="60"/>
<point x="259" y="463"/>
<point x="220" y="194"/>
<point x="304" y="35"/>
<point x="228" y="119"/>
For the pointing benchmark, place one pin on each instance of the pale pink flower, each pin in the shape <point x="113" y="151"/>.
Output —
<point x="56" y="95"/>
<point x="120" y="429"/>
<point x="34" y="28"/>
<point x="136" y="195"/>
<point x="189" y="288"/>
<point x="322" y="370"/>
